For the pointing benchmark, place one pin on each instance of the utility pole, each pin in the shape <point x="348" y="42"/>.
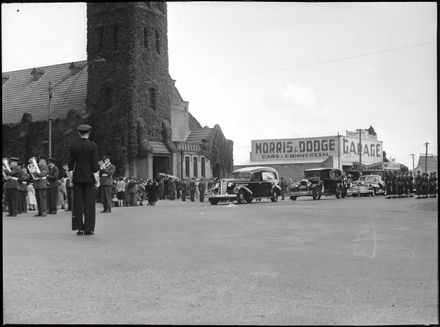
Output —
<point x="426" y="158"/>
<point x="412" y="155"/>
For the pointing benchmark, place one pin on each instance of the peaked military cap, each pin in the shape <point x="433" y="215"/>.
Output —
<point x="84" y="128"/>
<point x="13" y="159"/>
<point x="50" y="159"/>
<point x="43" y="157"/>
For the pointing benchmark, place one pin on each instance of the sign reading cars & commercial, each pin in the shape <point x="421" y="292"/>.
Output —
<point x="301" y="149"/>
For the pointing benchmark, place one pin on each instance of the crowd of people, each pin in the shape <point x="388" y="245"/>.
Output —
<point x="49" y="189"/>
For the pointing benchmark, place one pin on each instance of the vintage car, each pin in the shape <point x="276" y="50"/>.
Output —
<point x="247" y="184"/>
<point x="367" y="185"/>
<point x="318" y="182"/>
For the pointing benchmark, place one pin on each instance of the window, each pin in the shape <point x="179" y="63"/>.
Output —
<point x="256" y="177"/>
<point x="196" y="168"/>
<point x="115" y="37"/>
<point x="145" y="38"/>
<point x="157" y="41"/>
<point x="202" y="167"/>
<point x="100" y="36"/>
<point x="45" y="147"/>
<point x="268" y="176"/>
<point x="152" y="94"/>
<point x="187" y="166"/>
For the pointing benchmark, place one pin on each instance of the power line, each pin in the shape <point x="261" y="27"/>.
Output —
<point x="320" y="62"/>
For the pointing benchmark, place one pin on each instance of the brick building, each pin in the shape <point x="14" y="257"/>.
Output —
<point x="124" y="91"/>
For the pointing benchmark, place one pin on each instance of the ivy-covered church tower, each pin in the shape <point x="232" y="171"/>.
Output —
<point x="129" y="93"/>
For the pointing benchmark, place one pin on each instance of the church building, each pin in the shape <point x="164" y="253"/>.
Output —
<point x="124" y="91"/>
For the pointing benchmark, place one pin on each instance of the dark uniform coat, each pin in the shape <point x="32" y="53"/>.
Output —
<point x="84" y="163"/>
<point x="11" y="188"/>
<point x="52" y="182"/>
<point x="106" y="182"/>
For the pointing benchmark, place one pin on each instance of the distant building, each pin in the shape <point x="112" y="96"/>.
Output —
<point x="429" y="161"/>
<point x="290" y="157"/>
<point x="124" y="91"/>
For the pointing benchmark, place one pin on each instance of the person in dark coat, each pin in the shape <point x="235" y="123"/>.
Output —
<point x="106" y="171"/>
<point x="165" y="188"/>
<point x="171" y="189"/>
<point x="52" y="183"/>
<point x="161" y="187"/>
<point x="84" y="169"/>
<point x="183" y="189"/>
<point x="192" y="189"/>
<point x="177" y="183"/>
<point x="40" y="186"/>
<point x="132" y="191"/>
<point x="23" y="179"/>
<point x="11" y="186"/>
<point x="202" y="188"/>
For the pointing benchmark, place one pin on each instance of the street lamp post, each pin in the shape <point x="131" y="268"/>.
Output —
<point x="51" y="88"/>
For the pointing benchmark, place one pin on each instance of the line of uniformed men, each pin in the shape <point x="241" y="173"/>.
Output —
<point x="403" y="184"/>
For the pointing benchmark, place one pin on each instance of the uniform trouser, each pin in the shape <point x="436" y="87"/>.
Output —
<point x="12" y="199"/>
<point x="106" y="196"/>
<point x="41" y="195"/>
<point x="84" y="197"/>
<point x="52" y="197"/>
<point x="23" y="201"/>
<point x="202" y="196"/>
<point x="424" y="189"/>
<point x="69" y="198"/>
<point x="133" y="199"/>
<point x="410" y="188"/>
<point x="388" y="187"/>
<point x="192" y="195"/>
<point x="177" y="194"/>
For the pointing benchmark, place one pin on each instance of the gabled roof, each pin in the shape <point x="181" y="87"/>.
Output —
<point x="432" y="163"/>
<point x="21" y="94"/>
<point x="198" y="135"/>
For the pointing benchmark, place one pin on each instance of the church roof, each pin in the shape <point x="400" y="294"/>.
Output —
<point x="27" y="91"/>
<point x="432" y="163"/>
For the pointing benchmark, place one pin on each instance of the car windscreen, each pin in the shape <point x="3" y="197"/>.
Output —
<point x="308" y="174"/>
<point x="240" y="175"/>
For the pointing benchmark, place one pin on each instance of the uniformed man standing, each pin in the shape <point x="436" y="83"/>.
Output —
<point x="418" y="182"/>
<point x="183" y="188"/>
<point x="425" y="184"/>
<point x="388" y="184"/>
<point x="433" y="184"/>
<point x="23" y="179"/>
<point x="40" y="186"/>
<point x="11" y="186"/>
<point x="202" y="188"/>
<point x="106" y="172"/>
<point x="192" y="189"/>
<point x="52" y="183"/>
<point x="84" y="169"/>
<point x="411" y="184"/>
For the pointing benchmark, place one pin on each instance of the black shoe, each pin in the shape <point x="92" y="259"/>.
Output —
<point x="80" y="232"/>
<point x="89" y="233"/>
<point x="103" y="211"/>
<point x="39" y="215"/>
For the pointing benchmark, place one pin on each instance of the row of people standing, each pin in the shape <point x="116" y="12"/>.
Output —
<point x="173" y="188"/>
<point x="399" y="184"/>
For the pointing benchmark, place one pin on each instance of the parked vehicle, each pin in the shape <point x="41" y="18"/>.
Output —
<point x="318" y="182"/>
<point x="247" y="184"/>
<point x="368" y="185"/>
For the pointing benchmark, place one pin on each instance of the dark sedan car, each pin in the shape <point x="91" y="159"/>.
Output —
<point x="247" y="184"/>
<point x="318" y="182"/>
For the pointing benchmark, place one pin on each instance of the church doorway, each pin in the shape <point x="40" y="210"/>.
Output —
<point x="161" y="164"/>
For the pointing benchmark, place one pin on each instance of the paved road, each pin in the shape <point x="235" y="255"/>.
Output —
<point x="353" y="261"/>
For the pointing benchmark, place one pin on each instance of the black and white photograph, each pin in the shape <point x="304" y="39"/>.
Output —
<point x="220" y="163"/>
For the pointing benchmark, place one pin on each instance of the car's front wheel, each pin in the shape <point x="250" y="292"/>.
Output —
<point x="274" y="197"/>
<point x="241" y="197"/>
<point x="316" y="192"/>
<point x="338" y="191"/>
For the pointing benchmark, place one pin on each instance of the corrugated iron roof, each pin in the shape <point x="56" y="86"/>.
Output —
<point x="21" y="94"/>
<point x="198" y="135"/>
<point x="432" y="163"/>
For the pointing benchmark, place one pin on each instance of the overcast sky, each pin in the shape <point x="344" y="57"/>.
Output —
<point x="275" y="70"/>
